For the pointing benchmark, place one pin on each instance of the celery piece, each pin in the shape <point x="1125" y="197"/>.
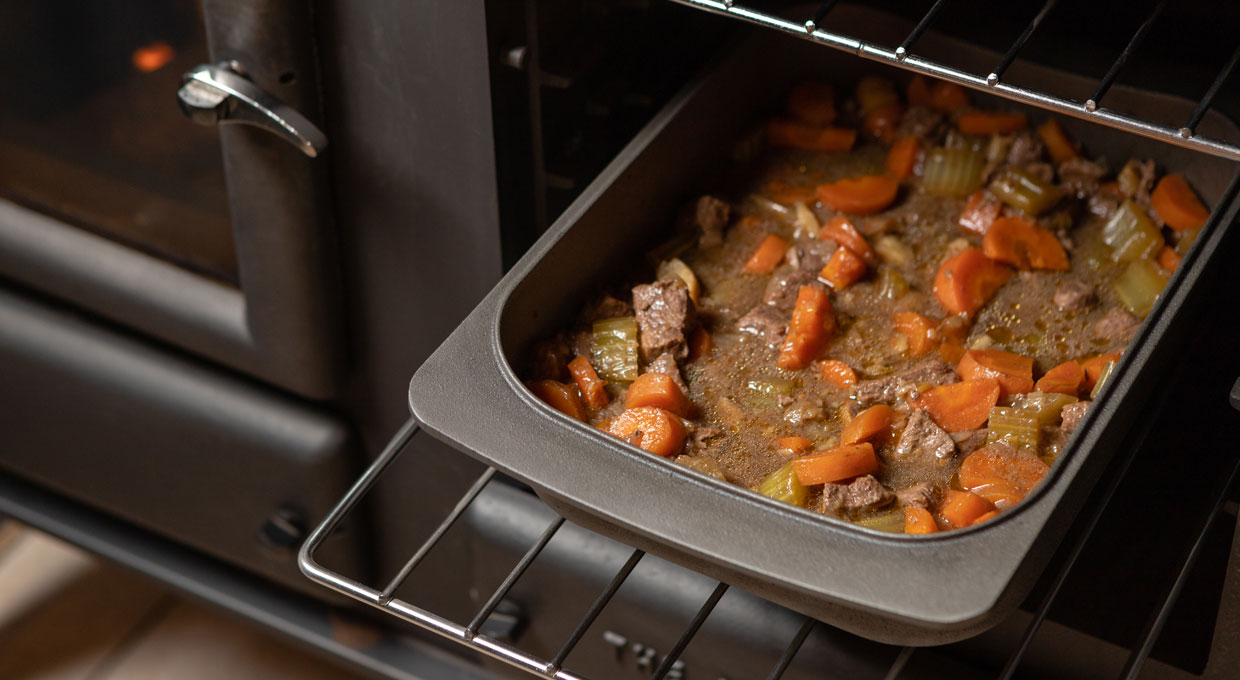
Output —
<point x="782" y="485"/>
<point x="1186" y="239"/>
<point x="1131" y="234"/>
<point x="1107" y="369"/>
<point x="704" y="465"/>
<point x="613" y="351"/>
<point x="1020" y="189"/>
<point x="953" y="172"/>
<point x="1138" y="286"/>
<point x="893" y="251"/>
<point x="1016" y="427"/>
<point x="1045" y="405"/>
<point x="891" y="521"/>
<point x="891" y="284"/>
<point x="1129" y="178"/>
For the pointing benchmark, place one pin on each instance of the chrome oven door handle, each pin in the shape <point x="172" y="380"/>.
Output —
<point x="212" y="94"/>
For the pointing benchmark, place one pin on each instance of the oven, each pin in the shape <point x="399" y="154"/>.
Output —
<point x="230" y="232"/>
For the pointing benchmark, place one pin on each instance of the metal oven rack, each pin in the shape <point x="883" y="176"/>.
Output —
<point x="1091" y="109"/>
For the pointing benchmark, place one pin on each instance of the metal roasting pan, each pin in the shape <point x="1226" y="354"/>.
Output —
<point x="921" y="590"/>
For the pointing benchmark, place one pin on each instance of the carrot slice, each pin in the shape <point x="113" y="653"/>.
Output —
<point x="798" y="135"/>
<point x="902" y="157"/>
<point x="793" y="445"/>
<point x="659" y="390"/>
<point x="985" y="517"/>
<point x="920" y="331"/>
<point x="1020" y="242"/>
<point x="843" y="269"/>
<point x="960" y="406"/>
<point x="700" y="344"/>
<point x="919" y="521"/>
<point x="991" y="122"/>
<point x="559" y="396"/>
<point x="919" y="92"/>
<point x="592" y="387"/>
<point x="1057" y="142"/>
<point x="980" y="212"/>
<point x="837" y="373"/>
<point x="1066" y="378"/>
<point x="1175" y="202"/>
<point x="967" y="280"/>
<point x="962" y="508"/>
<point x="1013" y="372"/>
<point x="653" y="429"/>
<point x="1093" y="369"/>
<point x="1000" y="475"/>
<point x="1168" y="259"/>
<point x="833" y="465"/>
<point x="872" y="425"/>
<point x="812" y="102"/>
<point x="948" y="97"/>
<point x="813" y="322"/>
<point x="881" y="123"/>
<point x="768" y="254"/>
<point x="863" y="195"/>
<point x="843" y="232"/>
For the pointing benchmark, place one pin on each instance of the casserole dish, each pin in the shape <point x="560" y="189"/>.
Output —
<point x="896" y="589"/>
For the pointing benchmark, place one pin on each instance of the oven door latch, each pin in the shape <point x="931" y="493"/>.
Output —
<point x="212" y="94"/>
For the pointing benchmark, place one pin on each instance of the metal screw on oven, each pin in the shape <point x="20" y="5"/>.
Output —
<point x="282" y="533"/>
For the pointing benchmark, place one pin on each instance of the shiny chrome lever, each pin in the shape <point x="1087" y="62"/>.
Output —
<point x="212" y="94"/>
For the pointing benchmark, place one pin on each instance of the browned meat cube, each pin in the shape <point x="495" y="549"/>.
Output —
<point x="1073" y="295"/>
<point x="919" y="495"/>
<point x="924" y="440"/>
<point x="666" y="364"/>
<point x="764" y="322"/>
<point x="665" y="315"/>
<point x="897" y="385"/>
<point x="1117" y="326"/>
<point x="781" y="289"/>
<point x="711" y="216"/>
<point x="863" y="493"/>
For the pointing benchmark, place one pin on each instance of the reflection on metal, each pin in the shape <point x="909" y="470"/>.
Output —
<point x="220" y="93"/>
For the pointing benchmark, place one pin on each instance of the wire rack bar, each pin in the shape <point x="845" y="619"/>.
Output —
<point x="1204" y="104"/>
<point x="509" y="581"/>
<point x="997" y="72"/>
<point x="1112" y="73"/>
<point x="595" y="609"/>
<point x="925" y="23"/>
<point x="791" y="650"/>
<point x="901" y="660"/>
<point x="1184" y="137"/>
<point x="698" y="619"/>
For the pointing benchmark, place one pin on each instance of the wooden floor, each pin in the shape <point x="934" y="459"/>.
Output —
<point x="66" y="616"/>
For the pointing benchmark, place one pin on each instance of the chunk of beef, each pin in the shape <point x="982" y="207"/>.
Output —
<point x="863" y="493"/>
<point x="781" y="289"/>
<point x="1136" y="180"/>
<point x="551" y="357"/>
<point x="1073" y="295"/>
<point x="606" y="307"/>
<point x="901" y="383"/>
<point x="699" y="438"/>
<point x="919" y="495"/>
<point x="1102" y="204"/>
<point x="1080" y="177"/>
<point x="922" y="439"/>
<point x="969" y="441"/>
<point x="1117" y="326"/>
<point x="764" y="322"/>
<point x="711" y="216"/>
<point x="1070" y="416"/>
<point x="665" y="315"/>
<point x="919" y="121"/>
<point x="582" y="343"/>
<point x="805" y="410"/>
<point x="666" y="364"/>
<point x="1025" y="148"/>
<point x="810" y="257"/>
<point x="1042" y="171"/>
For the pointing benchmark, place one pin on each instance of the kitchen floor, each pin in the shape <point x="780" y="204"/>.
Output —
<point x="65" y="615"/>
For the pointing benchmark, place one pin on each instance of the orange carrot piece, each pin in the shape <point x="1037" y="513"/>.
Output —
<point x="920" y="331"/>
<point x="871" y="425"/>
<point x="1000" y="475"/>
<point x="962" y="508"/>
<point x="700" y="344"/>
<point x="951" y="351"/>
<point x="559" y="396"/>
<point x="798" y="135"/>
<point x="1168" y="259"/>
<point x="1020" y="242"/>
<point x="768" y="255"/>
<point x="793" y="446"/>
<point x="960" y="406"/>
<point x="1093" y="369"/>
<point x="812" y="102"/>
<point x="591" y="386"/>
<point x="843" y="232"/>
<point x="919" y="521"/>
<point x="967" y="280"/>
<point x="833" y="465"/>
<point x="980" y="212"/>
<point x="811" y="327"/>
<point x="1013" y="372"/>
<point x="948" y="97"/>
<point x="843" y="269"/>
<point x="881" y="123"/>
<point x="863" y="195"/>
<point x="1058" y="144"/>
<point x="919" y="92"/>
<point x="985" y="517"/>
<point x="902" y="157"/>
<point x="1175" y="202"/>
<point x="837" y="373"/>
<point x="1066" y="378"/>
<point x="659" y="390"/>
<point x="991" y="122"/>
<point x="653" y="429"/>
